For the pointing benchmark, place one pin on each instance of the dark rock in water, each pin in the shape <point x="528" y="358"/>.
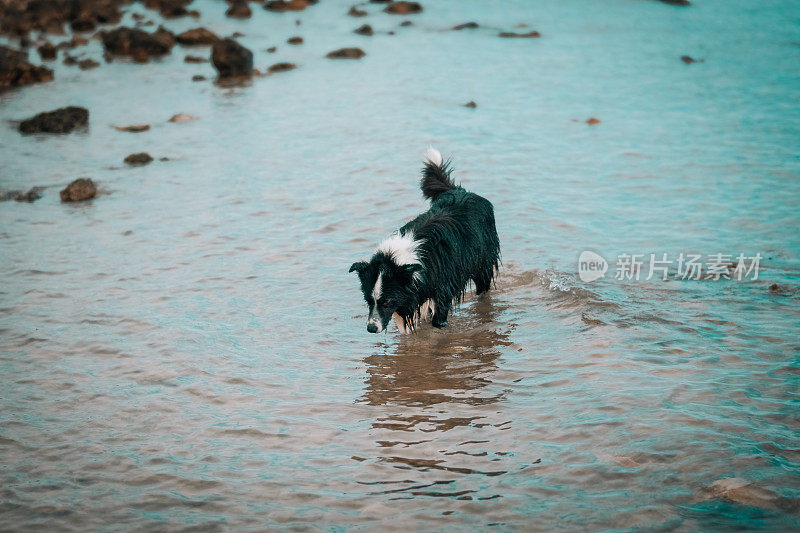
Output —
<point x="166" y="37"/>
<point x="295" y="40"/>
<point x="366" y="29"/>
<point x="182" y="118"/>
<point x="236" y="35"/>
<point x="62" y="120"/>
<point x="139" y="159"/>
<point x="748" y="493"/>
<point x="782" y="289"/>
<point x="403" y="8"/>
<point x="170" y="8"/>
<point x="31" y="196"/>
<point x="86" y="64"/>
<point x="70" y="61"/>
<point x="195" y="59"/>
<point x="197" y="37"/>
<point x="231" y="59"/>
<point x="288" y="5"/>
<point x="76" y="41"/>
<point x="239" y="10"/>
<point x="471" y="104"/>
<point x="346" y="53"/>
<point x="406" y="23"/>
<point x="15" y="71"/>
<point x="6" y="195"/>
<point x="281" y="67"/>
<point x="198" y="77"/>
<point x="134" y="128"/>
<point x="82" y="25"/>
<point x="529" y="35"/>
<point x="689" y="60"/>
<point x="593" y="121"/>
<point x="22" y="16"/>
<point x="355" y="12"/>
<point x="136" y="43"/>
<point x="79" y="190"/>
<point x="676" y="2"/>
<point x="466" y="26"/>
<point x="272" y="49"/>
<point x="47" y="51"/>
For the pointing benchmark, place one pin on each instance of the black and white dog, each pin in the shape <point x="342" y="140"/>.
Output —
<point x="426" y="265"/>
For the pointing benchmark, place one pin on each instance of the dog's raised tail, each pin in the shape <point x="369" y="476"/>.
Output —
<point x="435" y="175"/>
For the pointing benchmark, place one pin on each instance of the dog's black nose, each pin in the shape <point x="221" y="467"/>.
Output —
<point x="372" y="328"/>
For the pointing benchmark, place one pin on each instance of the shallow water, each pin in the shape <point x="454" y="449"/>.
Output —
<point x="188" y="350"/>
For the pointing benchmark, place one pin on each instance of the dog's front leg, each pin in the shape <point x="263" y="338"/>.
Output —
<point x="440" y="311"/>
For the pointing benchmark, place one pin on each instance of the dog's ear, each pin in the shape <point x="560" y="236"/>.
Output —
<point x="358" y="267"/>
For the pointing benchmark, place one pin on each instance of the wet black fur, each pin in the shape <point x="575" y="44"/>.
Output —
<point x="459" y="244"/>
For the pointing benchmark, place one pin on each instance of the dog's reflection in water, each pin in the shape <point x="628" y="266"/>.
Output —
<point x="434" y="367"/>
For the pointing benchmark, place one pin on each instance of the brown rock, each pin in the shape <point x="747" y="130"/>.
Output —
<point x="295" y="40"/>
<point x="272" y="49"/>
<point x="471" y="104"/>
<point x="195" y="59"/>
<point x="355" y="12"/>
<point x="15" y="71"/>
<point x="171" y="8"/>
<point x="466" y="26"/>
<point x="676" y="2"/>
<point x="136" y="43"/>
<point x="198" y="77"/>
<point x="406" y="23"/>
<point x="689" y="60"/>
<point x="512" y="35"/>
<point x="164" y="36"/>
<point x="139" y="159"/>
<point x="239" y="10"/>
<point x="134" y="128"/>
<point x="19" y="17"/>
<point x="62" y="120"/>
<point x="288" y="5"/>
<point x="31" y="196"/>
<point x="403" y="8"/>
<point x="593" y="121"/>
<point x="197" y="37"/>
<point x="231" y="59"/>
<point x="366" y="29"/>
<point x="182" y="118"/>
<point x="79" y="190"/>
<point x="86" y="64"/>
<point x="281" y="67"/>
<point x="76" y="41"/>
<point x="47" y="51"/>
<point x="346" y="53"/>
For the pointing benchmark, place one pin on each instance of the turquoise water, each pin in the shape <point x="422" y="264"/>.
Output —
<point x="188" y="350"/>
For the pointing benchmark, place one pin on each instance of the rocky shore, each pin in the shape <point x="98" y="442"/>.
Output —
<point x="54" y="28"/>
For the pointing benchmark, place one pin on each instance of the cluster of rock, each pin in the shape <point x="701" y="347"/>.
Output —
<point x="15" y="71"/>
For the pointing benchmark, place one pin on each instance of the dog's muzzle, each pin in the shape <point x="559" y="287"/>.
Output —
<point x="374" y="325"/>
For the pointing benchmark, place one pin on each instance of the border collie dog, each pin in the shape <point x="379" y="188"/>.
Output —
<point x="426" y="265"/>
